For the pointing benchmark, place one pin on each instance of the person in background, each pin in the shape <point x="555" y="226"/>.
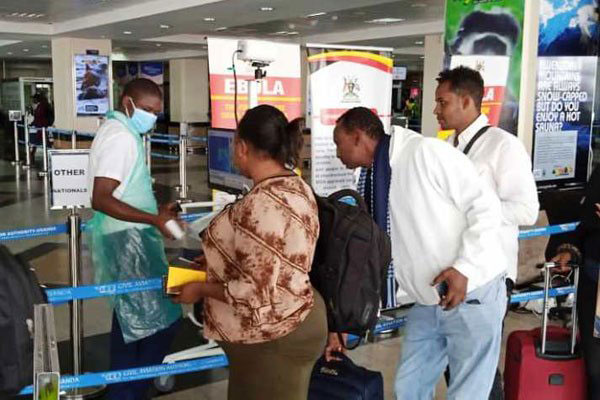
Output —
<point x="126" y="236"/>
<point x="43" y="117"/>
<point x="499" y="158"/>
<point x="583" y="248"/>
<point x="259" y="303"/>
<point x="444" y="225"/>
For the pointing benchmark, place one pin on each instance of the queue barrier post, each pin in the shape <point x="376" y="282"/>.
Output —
<point x="27" y="164"/>
<point x="44" y="171"/>
<point x="17" y="160"/>
<point x="76" y="308"/>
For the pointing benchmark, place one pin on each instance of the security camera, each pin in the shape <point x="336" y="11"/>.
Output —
<point x="256" y="52"/>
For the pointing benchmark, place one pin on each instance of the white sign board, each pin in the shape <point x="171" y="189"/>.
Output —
<point x="69" y="171"/>
<point x="399" y="73"/>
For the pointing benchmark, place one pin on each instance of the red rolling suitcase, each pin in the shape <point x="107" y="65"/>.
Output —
<point x="543" y="363"/>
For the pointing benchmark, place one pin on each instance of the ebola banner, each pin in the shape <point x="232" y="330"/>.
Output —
<point x="494" y="71"/>
<point x="342" y="78"/>
<point x="281" y="88"/>
<point x="489" y="29"/>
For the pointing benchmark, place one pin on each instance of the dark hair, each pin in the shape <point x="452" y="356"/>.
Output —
<point x="268" y="130"/>
<point x="140" y="87"/>
<point x="364" y="119"/>
<point x="464" y="81"/>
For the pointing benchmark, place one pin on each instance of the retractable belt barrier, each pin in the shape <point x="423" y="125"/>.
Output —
<point x="63" y="295"/>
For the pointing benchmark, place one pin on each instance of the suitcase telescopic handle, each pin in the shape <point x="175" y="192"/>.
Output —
<point x="547" y="272"/>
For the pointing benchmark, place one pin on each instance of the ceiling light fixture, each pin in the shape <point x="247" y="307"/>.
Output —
<point x="158" y="44"/>
<point x="384" y="20"/>
<point x="266" y="9"/>
<point x="127" y="32"/>
<point x="293" y="33"/>
<point x="221" y="28"/>
<point x="26" y="50"/>
<point x="44" y="46"/>
<point x="9" y="53"/>
<point x="334" y="17"/>
<point x="165" y="26"/>
<point x="317" y="14"/>
<point x="419" y="42"/>
<point x="24" y="15"/>
<point x="209" y="19"/>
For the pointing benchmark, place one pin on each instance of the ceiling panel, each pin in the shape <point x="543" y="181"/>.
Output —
<point x="54" y="11"/>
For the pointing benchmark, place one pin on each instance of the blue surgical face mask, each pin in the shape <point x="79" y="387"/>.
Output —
<point x="141" y="120"/>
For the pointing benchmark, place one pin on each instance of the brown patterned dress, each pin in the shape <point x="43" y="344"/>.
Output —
<point x="261" y="248"/>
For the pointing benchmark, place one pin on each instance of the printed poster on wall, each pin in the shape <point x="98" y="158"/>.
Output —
<point x="91" y="84"/>
<point x="489" y="28"/>
<point x="566" y="84"/>
<point x="342" y="78"/>
<point x="282" y="87"/>
<point x="153" y="71"/>
<point x="494" y="71"/>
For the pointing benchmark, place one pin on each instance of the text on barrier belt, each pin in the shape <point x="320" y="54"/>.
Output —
<point x="51" y="230"/>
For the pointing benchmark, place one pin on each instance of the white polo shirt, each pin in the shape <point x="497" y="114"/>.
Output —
<point x="503" y="163"/>
<point x="112" y="155"/>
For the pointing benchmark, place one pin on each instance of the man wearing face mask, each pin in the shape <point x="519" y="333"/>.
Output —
<point x="126" y="236"/>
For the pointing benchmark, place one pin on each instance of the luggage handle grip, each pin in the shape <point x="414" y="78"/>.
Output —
<point x="547" y="267"/>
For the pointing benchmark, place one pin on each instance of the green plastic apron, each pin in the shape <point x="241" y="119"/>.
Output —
<point x="124" y="250"/>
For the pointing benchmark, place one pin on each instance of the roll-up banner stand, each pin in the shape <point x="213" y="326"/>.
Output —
<point x="566" y="85"/>
<point x="341" y="78"/>
<point x="488" y="36"/>
<point x="281" y="88"/>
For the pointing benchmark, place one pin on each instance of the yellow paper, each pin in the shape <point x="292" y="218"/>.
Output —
<point x="179" y="276"/>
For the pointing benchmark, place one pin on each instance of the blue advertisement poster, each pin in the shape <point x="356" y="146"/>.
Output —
<point x="566" y="84"/>
<point x="568" y="28"/>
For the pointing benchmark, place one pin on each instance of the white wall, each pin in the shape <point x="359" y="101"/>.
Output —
<point x="434" y="59"/>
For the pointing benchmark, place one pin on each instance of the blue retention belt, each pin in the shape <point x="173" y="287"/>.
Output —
<point x="28" y="233"/>
<point x="63" y="295"/>
<point x="539" y="294"/>
<point x="548" y="230"/>
<point x="51" y="230"/>
<point x="164" y="141"/>
<point x="166" y="156"/>
<point x="135" y="374"/>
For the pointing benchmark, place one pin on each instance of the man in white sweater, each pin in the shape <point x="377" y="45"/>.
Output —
<point x="444" y="224"/>
<point x="499" y="158"/>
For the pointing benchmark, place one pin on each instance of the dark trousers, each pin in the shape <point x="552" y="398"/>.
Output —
<point x="590" y="346"/>
<point x="147" y="351"/>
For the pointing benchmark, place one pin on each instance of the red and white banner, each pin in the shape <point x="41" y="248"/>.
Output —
<point x="281" y="88"/>
<point x="494" y="71"/>
<point x="342" y="78"/>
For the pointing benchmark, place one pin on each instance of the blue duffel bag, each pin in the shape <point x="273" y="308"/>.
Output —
<point x="344" y="380"/>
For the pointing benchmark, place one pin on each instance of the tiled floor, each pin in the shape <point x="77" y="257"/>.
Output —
<point x="23" y="203"/>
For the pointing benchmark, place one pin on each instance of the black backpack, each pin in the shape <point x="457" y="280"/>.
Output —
<point x="350" y="264"/>
<point x="19" y="291"/>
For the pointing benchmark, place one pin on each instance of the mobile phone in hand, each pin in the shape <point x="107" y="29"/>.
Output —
<point x="442" y="289"/>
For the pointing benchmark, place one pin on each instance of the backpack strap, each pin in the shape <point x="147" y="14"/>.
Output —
<point x="474" y="139"/>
